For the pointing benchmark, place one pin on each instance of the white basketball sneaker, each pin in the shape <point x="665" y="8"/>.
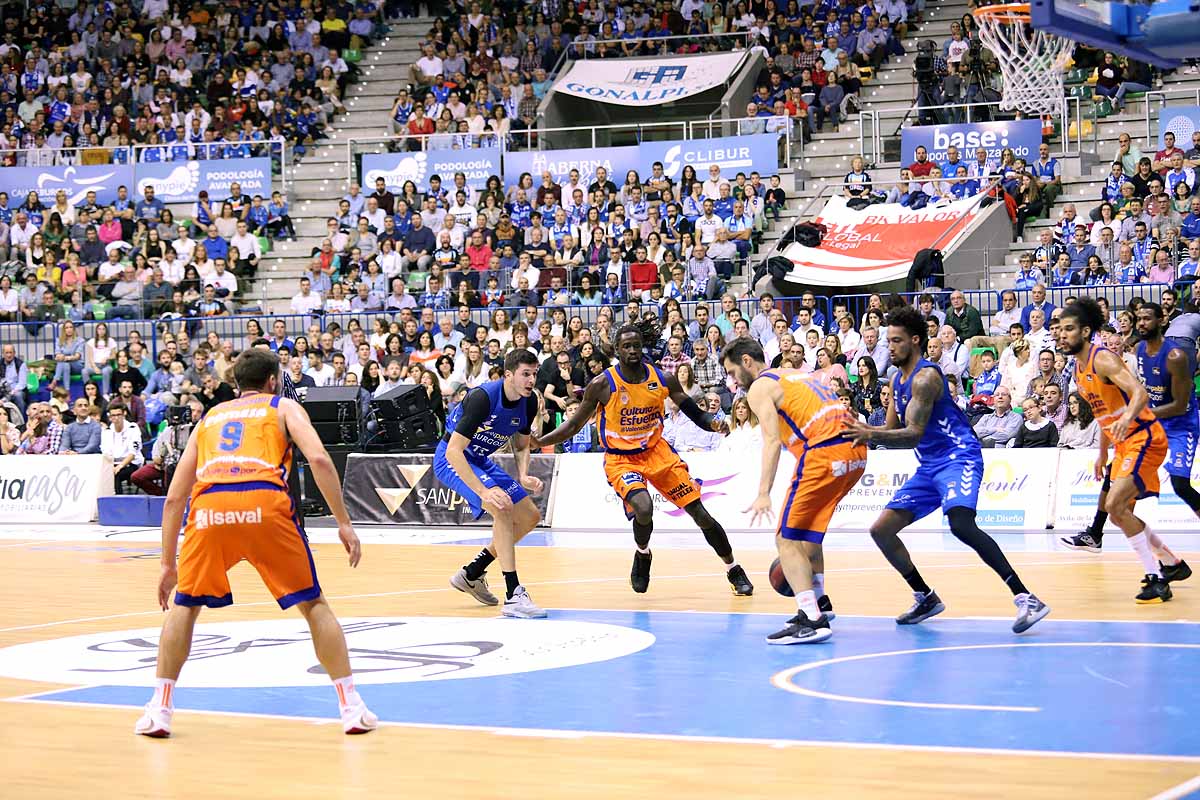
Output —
<point x="358" y="719"/>
<point x="521" y="606"/>
<point x="154" y="722"/>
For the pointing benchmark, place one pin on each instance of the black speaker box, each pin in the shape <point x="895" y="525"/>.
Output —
<point x="401" y="403"/>
<point x="413" y="433"/>
<point x="332" y="403"/>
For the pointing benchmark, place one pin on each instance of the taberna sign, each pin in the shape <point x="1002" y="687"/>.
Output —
<point x="647" y="81"/>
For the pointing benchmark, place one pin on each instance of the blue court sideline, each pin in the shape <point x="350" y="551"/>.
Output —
<point x="1095" y="687"/>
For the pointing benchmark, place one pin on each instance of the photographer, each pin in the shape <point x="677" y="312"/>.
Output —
<point x="154" y="477"/>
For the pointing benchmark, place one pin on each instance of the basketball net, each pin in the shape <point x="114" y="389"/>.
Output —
<point x="1031" y="61"/>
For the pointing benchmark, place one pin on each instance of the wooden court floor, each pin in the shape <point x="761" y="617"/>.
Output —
<point x="64" y="749"/>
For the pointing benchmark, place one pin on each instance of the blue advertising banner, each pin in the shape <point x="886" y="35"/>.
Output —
<point x="1181" y="121"/>
<point x="182" y="181"/>
<point x="616" y="160"/>
<point x="396" y="168"/>
<point x="733" y="154"/>
<point x="1021" y="136"/>
<point x="77" y="181"/>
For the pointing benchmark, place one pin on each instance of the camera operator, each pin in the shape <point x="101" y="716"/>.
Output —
<point x="929" y="69"/>
<point x="154" y="476"/>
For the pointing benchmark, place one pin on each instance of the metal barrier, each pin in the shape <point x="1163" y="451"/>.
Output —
<point x="32" y="341"/>
<point x="985" y="301"/>
<point x="1118" y="295"/>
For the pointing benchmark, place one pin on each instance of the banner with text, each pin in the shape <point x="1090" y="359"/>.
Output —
<point x="396" y="168"/>
<point x="1009" y="496"/>
<point x="1077" y="492"/>
<point x="647" y="81"/>
<point x="1022" y="136"/>
<point x="53" y="488"/>
<point x="733" y="154"/>
<point x="1182" y="121"/>
<point x="876" y="244"/>
<point x="76" y="181"/>
<point x="182" y="181"/>
<point x="389" y="489"/>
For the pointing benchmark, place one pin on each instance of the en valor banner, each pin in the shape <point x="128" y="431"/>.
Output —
<point x="391" y="489"/>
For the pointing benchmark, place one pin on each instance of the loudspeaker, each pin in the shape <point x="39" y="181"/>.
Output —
<point x="335" y="413"/>
<point x="311" y="501"/>
<point x="401" y="403"/>
<point x="418" y="432"/>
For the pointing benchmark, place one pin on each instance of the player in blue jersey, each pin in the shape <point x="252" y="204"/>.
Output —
<point x="488" y="418"/>
<point x="923" y="414"/>
<point x="1166" y="364"/>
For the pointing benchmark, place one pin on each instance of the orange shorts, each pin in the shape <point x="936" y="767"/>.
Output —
<point x="824" y="475"/>
<point x="232" y="522"/>
<point x="1140" y="455"/>
<point x="659" y="466"/>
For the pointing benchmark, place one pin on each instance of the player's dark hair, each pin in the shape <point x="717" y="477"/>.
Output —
<point x="911" y="321"/>
<point x="254" y="367"/>
<point x="1154" y="307"/>
<point x="261" y="343"/>
<point x="1086" y="312"/>
<point x="743" y="346"/>
<point x="517" y="357"/>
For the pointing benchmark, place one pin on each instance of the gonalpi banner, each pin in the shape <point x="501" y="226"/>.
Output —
<point x="733" y="154"/>
<point x="389" y="489"/>
<point x="647" y="81"/>
<point x="396" y="168"/>
<point x="53" y="488"/>
<point x="876" y="244"/>
<point x="182" y="181"/>
<point x="1021" y="136"/>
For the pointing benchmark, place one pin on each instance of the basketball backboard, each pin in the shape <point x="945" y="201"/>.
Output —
<point x="1161" y="33"/>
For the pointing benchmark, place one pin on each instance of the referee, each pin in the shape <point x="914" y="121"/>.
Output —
<point x="288" y="389"/>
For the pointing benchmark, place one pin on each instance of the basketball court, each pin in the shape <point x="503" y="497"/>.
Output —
<point x="673" y="692"/>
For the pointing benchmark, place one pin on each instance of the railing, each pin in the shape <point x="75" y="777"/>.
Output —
<point x="873" y="143"/>
<point x="1164" y="95"/>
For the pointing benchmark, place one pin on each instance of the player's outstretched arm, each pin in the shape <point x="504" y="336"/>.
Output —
<point x="177" y="496"/>
<point x="704" y="421"/>
<point x="926" y="389"/>
<point x="301" y="432"/>
<point x="762" y="403"/>
<point x="595" y="395"/>
<point x="1112" y="368"/>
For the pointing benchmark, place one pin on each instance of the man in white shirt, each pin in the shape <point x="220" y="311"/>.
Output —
<point x="427" y="69"/>
<point x="463" y="212"/>
<point x="374" y="215"/>
<point x="306" y="301"/>
<point x="318" y="370"/>
<point x="10" y="300"/>
<point x="121" y="442"/>
<point x="1006" y="316"/>
<point x="246" y="243"/>
<point x="20" y="233"/>
<point x="711" y="188"/>
<point x="184" y="246"/>
<point x="956" y="356"/>
<point x="525" y="269"/>
<point x="391" y="379"/>
<point x="707" y="225"/>
<point x="446" y="334"/>
<point x="221" y="279"/>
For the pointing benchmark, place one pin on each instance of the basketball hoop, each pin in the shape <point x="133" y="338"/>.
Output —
<point x="1031" y="61"/>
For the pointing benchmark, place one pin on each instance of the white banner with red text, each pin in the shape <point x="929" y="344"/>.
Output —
<point x="35" y="488"/>
<point x="877" y="243"/>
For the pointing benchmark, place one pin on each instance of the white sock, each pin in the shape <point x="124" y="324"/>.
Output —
<point x="1160" y="548"/>
<point x="164" y="693"/>
<point x="347" y="694"/>
<point x="645" y="552"/>
<point x="819" y="584"/>
<point x="731" y="565"/>
<point x="1142" y="547"/>
<point x="807" y="602"/>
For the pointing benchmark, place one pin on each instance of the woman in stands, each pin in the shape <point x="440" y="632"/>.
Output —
<point x="97" y="357"/>
<point x="1029" y="202"/>
<point x="686" y="178"/>
<point x="1080" y="430"/>
<point x="744" y="434"/>
<point x="716" y="340"/>
<point x="1019" y="370"/>
<point x="687" y="379"/>
<point x="475" y="372"/>
<point x="425" y="351"/>
<point x="499" y="328"/>
<point x="834" y="346"/>
<point x="874" y="303"/>
<point x="586" y="294"/>
<point x="68" y="356"/>
<point x="867" y="389"/>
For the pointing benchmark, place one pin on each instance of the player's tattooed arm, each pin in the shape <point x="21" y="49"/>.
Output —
<point x="926" y="389"/>
<point x="595" y="395"/>
<point x="1181" y="386"/>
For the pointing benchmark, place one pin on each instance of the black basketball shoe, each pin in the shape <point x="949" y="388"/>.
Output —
<point x="1084" y="540"/>
<point x="739" y="581"/>
<point x="639" y="578"/>
<point x="926" y="606"/>
<point x="802" y="630"/>
<point x="1178" y="572"/>
<point x="1154" y="590"/>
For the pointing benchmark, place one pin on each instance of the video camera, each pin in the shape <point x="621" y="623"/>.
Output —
<point x="178" y="416"/>
<point x="923" y="69"/>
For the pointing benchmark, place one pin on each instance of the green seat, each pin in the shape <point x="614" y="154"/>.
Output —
<point x="352" y="56"/>
<point x="264" y="244"/>
<point x="416" y="281"/>
<point x="1104" y="108"/>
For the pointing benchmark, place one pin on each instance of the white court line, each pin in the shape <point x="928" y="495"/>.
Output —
<point x="783" y="680"/>
<point x="554" y="733"/>
<point x="1180" y="791"/>
<point x="620" y="579"/>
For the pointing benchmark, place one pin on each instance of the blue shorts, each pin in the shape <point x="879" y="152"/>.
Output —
<point x="945" y="484"/>
<point x="1181" y="452"/>
<point x="489" y="475"/>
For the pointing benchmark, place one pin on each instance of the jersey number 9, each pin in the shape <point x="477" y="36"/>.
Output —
<point x="231" y="436"/>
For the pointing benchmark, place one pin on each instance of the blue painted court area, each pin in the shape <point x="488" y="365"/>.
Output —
<point x="1087" y="687"/>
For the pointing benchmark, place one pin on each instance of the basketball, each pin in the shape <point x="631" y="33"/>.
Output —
<point x="778" y="580"/>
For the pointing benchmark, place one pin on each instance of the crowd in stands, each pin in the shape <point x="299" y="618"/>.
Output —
<point x="164" y="80"/>
<point x="480" y="77"/>
<point x="442" y="246"/>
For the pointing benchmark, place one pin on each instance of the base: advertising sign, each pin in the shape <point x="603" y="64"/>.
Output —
<point x="391" y="489"/>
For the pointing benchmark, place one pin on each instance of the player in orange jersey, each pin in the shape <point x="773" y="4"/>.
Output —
<point x="797" y="411"/>
<point x="1119" y="402"/>
<point x="629" y="399"/>
<point x="239" y="509"/>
